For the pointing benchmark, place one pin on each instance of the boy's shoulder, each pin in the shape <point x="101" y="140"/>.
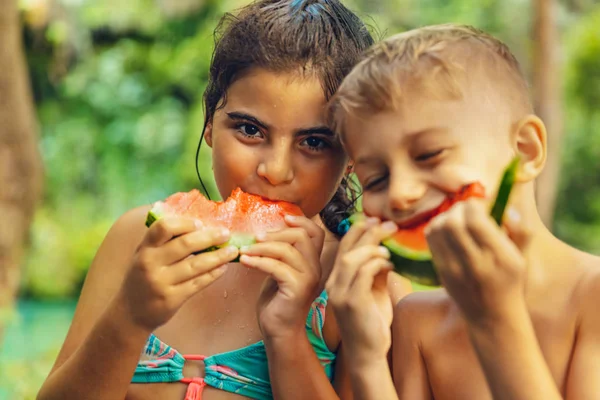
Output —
<point x="587" y="291"/>
<point x="420" y="313"/>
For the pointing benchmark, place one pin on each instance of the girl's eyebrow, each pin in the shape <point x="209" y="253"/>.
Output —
<point x="237" y="116"/>
<point x="317" y="130"/>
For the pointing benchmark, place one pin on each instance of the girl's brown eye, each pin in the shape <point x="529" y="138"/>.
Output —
<point x="248" y="129"/>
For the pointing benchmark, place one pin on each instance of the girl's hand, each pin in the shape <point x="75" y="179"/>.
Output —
<point x="481" y="267"/>
<point x="165" y="272"/>
<point x="358" y="291"/>
<point x="291" y="258"/>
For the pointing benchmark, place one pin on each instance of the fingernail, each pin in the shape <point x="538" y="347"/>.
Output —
<point x="389" y="226"/>
<point x="384" y="252"/>
<point x="261" y="236"/>
<point x="198" y="224"/>
<point x="225" y="232"/>
<point x="245" y="259"/>
<point x="290" y="218"/>
<point x="513" y="214"/>
<point x="231" y="250"/>
<point x="371" y="221"/>
<point x="244" y="249"/>
<point x="222" y="268"/>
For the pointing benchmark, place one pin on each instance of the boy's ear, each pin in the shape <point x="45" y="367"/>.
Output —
<point x="530" y="143"/>
<point x="208" y="134"/>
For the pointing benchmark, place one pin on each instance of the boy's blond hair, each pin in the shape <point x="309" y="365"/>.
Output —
<point x="439" y="61"/>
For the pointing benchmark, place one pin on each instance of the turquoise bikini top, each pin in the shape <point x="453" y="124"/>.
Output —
<point x="243" y="371"/>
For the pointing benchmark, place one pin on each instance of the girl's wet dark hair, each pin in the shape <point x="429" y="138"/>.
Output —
<point x="322" y="38"/>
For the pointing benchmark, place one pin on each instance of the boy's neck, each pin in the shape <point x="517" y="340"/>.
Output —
<point x="546" y="254"/>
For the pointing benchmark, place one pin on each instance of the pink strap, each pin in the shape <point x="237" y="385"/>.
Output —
<point x="195" y="388"/>
<point x="195" y="385"/>
<point x="194" y="357"/>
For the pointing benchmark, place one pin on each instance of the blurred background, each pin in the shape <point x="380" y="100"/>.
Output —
<point x="100" y="111"/>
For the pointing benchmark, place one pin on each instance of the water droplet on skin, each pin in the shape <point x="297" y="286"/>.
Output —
<point x="225" y="294"/>
<point x="227" y="311"/>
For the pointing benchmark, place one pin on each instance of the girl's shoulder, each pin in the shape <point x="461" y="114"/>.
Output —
<point x="129" y="229"/>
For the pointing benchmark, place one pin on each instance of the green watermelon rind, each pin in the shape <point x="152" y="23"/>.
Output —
<point x="418" y="266"/>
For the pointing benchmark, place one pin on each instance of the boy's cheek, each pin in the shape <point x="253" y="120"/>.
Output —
<point x="374" y="205"/>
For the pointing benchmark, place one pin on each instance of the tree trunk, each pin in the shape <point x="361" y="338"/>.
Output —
<point x="20" y="163"/>
<point x="547" y="100"/>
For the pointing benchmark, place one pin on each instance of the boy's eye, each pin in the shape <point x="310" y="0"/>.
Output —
<point x="248" y="129"/>
<point x="430" y="155"/>
<point x="375" y="183"/>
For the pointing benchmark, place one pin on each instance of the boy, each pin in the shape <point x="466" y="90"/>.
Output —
<point x="425" y="113"/>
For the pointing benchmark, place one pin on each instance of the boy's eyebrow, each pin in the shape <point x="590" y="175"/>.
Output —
<point x="235" y="115"/>
<point x="434" y="129"/>
<point x="364" y="160"/>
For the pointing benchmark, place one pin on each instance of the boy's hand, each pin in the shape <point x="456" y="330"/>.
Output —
<point x="481" y="267"/>
<point x="291" y="258"/>
<point x="358" y="292"/>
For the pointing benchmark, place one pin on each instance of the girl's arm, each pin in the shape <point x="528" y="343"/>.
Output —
<point x="295" y="371"/>
<point x="131" y="289"/>
<point x="102" y="347"/>
<point x="292" y="258"/>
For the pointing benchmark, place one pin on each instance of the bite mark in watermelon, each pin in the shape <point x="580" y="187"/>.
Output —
<point x="408" y="247"/>
<point x="244" y="214"/>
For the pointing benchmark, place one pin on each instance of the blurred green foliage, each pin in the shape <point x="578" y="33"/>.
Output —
<point x="118" y="88"/>
<point x="119" y="99"/>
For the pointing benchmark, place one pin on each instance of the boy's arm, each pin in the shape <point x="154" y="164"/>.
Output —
<point x="583" y="382"/>
<point x="410" y="373"/>
<point x="512" y="360"/>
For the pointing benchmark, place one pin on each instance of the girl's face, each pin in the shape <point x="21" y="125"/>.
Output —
<point x="271" y="139"/>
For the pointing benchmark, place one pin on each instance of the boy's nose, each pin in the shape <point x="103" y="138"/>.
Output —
<point x="277" y="167"/>
<point x="404" y="192"/>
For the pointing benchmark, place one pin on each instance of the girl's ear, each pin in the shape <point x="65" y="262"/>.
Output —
<point x="208" y="134"/>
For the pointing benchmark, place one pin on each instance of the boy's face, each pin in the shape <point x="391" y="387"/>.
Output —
<point x="408" y="160"/>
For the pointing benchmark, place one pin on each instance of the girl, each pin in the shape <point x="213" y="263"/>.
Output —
<point x="274" y="68"/>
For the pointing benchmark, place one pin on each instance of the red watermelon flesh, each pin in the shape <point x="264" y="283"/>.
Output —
<point x="240" y="213"/>
<point x="412" y="234"/>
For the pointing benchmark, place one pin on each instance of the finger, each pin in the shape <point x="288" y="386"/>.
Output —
<point x="347" y="265"/>
<point x="460" y="240"/>
<point x="518" y="228"/>
<point x="297" y="237"/>
<point x="365" y="278"/>
<point x="195" y="266"/>
<point x="377" y="233"/>
<point x="441" y="252"/>
<point x="194" y="285"/>
<point x="190" y="243"/>
<point x="356" y="231"/>
<point x="165" y="229"/>
<point x="314" y="231"/>
<point x="488" y="235"/>
<point x="279" y="271"/>
<point x="281" y="251"/>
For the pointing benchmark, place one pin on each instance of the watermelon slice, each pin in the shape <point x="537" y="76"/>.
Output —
<point x="408" y="247"/>
<point x="244" y="214"/>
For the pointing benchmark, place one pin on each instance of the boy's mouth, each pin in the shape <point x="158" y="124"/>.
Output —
<point x="419" y="219"/>
<point x="470" y="190"/>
